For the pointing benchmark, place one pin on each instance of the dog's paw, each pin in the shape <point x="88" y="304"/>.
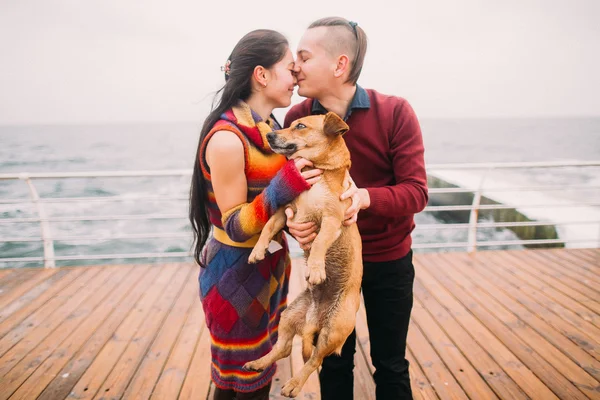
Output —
<point x="258" y="254"/>
<point x="253" y="366"/>
<point x="291" y="388"/>
<point x="315" y="273"/>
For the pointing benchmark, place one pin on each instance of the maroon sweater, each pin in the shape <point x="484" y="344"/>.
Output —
<point x="386" y="149"/>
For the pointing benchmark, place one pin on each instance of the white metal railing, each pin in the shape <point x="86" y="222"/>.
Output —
<point x="478" y="191"/>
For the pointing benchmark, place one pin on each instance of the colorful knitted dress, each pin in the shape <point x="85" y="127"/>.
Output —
<point x="243" y="302"/>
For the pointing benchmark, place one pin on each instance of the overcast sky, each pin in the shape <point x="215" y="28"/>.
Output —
<point x="78" y="61"/>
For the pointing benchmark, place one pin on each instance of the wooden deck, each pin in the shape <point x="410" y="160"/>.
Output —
<point x="510" y="325"/>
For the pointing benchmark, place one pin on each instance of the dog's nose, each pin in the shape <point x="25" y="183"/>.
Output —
<point x="271" y="135"/>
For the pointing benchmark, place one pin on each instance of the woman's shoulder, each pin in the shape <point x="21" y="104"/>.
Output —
<point x="224" y="141"/>
<point x="225" y="148"/>
<point x="225" y="134"/>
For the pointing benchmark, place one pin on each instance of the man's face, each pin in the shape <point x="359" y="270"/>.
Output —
<point x="314" y="65"/>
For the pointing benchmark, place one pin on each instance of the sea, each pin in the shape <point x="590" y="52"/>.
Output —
<point x="164" y="146"/>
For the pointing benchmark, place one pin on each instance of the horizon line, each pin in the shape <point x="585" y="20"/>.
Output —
<point x="200" y="121"/>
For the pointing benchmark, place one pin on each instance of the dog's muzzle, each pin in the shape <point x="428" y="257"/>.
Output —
<point x="279" y="146"/>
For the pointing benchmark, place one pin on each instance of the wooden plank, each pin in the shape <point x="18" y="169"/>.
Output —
<point x="420" y="385"/>
<point x="588" y="259"/>
<point x="15" y="350"/>
<point x="117" y="381"/>
<point x="17" y="292"/>
<point x="551" y="299"/>
<point x="434" y="368"/>
<point x="197" y="380"/>
<point x="501" y="295"/>
<point x="9" y="319"/>
<point x="147" y="374"/>
<point x="62" y="382"/>
<point x="513" y="367"/>
<point x="465" y="374"/>
<point x="480" y="274"/>
<point x="90" y="382"/>
<point x="508" y="327"/>
<point x="212" y="391"/>
<point x="20" y="324"/>
<point x="574" y="263"/>
<point x="35" y="348"/>
<point x="17" y="277"/>
<point x="52" y="354"/>
<point x="538" y="365"/>
<point x="590" y="256"/>
<point x="27" y="297"/>
<point x="531" y="266"/>
<point x="503" y="383"/>
<point x="586" y="295"/>
<point x="6" y="271"/>
<point x="171" y="379"/>
<point x="537" y="304"/>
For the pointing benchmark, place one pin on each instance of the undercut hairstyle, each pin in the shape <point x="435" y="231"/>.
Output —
<point x="345" y="37"/>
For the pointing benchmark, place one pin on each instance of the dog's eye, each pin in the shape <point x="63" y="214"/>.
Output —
<point x="300" y="126"/>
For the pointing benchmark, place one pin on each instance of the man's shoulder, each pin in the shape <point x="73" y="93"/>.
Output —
<point x="383" y="98"/>
<point x="385" y="103"/>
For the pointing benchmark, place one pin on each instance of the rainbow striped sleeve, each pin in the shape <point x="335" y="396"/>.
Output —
<point x="246" y="220"/>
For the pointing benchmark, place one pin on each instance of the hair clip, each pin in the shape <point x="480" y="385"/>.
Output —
<point x="226" y="68"/>
<point x="353" y="25"/>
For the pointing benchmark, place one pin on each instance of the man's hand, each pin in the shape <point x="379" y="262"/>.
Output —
<point x="360" y="201"/>
<point x="304" y="233"/>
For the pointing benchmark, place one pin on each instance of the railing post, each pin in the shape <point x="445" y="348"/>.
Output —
<point x="44" y="224"/>
<point x="474" y="216"/>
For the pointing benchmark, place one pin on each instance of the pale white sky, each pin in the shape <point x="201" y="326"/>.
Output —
<point x="74" y="61"/>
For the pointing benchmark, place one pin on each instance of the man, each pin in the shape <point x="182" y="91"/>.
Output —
<point x="388" y="168"/>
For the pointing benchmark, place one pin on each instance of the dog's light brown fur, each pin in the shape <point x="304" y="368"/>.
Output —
<point x="327" y="308"/>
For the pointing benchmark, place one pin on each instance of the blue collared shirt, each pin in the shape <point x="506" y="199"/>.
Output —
<point x="359" y="101"/>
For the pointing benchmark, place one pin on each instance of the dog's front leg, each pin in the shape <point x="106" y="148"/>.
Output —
<point x="272" y="227"/>
<point x="331" y="228"/>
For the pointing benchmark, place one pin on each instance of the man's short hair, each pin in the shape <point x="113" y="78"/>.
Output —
<point x="345" y="37"/>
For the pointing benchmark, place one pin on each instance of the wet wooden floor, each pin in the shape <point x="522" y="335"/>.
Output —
<point x="496" y="324"/>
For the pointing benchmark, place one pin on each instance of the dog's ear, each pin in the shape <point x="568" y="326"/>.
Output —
<point x="333" y="125"/>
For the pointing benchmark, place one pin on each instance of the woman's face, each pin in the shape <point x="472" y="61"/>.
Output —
<point x="280" y="88"/>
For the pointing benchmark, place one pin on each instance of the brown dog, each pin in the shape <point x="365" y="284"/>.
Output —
<point x="327" y="308"/>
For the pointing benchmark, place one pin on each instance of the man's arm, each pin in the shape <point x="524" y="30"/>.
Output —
<point x="409" y="195"/>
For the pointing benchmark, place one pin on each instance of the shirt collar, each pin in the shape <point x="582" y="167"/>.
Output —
<point x="359" y="101"/>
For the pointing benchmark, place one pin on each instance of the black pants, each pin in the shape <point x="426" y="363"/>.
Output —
<point x="388" y="293"/>
<point x="230" y="394"/>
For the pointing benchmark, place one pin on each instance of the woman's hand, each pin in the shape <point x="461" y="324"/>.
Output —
<point x="311" y="176"/>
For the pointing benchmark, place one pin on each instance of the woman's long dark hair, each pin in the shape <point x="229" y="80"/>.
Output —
<point x="261" y="47"/>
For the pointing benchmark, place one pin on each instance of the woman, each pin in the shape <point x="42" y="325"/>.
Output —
<point x="238" y="183"/>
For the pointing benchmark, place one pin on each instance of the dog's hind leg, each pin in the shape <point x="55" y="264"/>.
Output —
<point x="292" y="322"/>
<point x="311" y="328"/>
<point x="328" y="341"/>
<point x="272" y="227"/>
<point x="308" y="338"/>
